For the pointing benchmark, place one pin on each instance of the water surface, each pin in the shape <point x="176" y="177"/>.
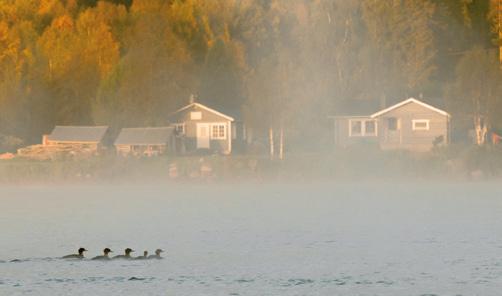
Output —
<point x="255" y="239"/>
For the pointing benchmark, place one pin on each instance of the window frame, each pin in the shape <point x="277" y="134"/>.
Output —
<point x="195" y="115"/>
<point x="415" y="121"/>
<point x="363" y="128"/>
<point x="396" y="124"/>
<point x="218" y="136"/>
<point x="375" y="131"/>
<point x="177" y="125"/>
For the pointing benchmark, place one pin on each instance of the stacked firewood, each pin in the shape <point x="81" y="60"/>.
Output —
<point x="52" y="152"/>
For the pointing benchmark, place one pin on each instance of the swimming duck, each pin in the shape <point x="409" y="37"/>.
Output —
<point x="145" y="256"/>
<point x="157" y="254"/>
<point x="106" y="251"/>
<point x="80" y="254"/>
<point x="127" y="254"/>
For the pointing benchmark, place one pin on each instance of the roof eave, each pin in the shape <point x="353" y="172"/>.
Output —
<point x="410" y="100"/>
<point x="203" y="107"/>
<point x="69" y="142"/>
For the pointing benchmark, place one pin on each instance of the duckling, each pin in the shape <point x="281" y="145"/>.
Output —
<point x="127" y="254"/>
<point x="145" y="256"/>
<point x="106" y="251"/>
<point x="80" y="254"/>
<point x="157" y="254"/>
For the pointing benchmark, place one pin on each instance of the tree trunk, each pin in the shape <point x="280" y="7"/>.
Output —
<point x="499" y="25"/>
<point x="481" y="130"/>
<point x="281" y="144"/>
<point x="271" y="142"/>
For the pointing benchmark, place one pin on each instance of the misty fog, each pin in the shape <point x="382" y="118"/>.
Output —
<point x="288" y="184"/>
<point x="325" y="239"/>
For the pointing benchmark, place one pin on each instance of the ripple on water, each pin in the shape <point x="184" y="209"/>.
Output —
<point x="363" y="282"/>
<point x="116" y="279"/>
<point x="338" y="282"/>
<point x="93" y="279"/>
<point x="243" y="281"/>
<point x="297" y="282"/>
<point x="385" y="282"/>
<point x="145" y="279"/>
<point x="58" y="280"/>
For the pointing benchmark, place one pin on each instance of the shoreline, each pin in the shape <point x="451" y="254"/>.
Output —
<point x="345" y="167"/>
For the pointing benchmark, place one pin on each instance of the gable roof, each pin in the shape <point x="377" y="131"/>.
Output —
<point x="144" y="136"/>
<point x="205" y="108"/>
<point x="410" y="100"/>
<point x="78" y="134"/>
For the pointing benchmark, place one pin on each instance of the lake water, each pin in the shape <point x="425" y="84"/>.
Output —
<point x="255" y="239"/>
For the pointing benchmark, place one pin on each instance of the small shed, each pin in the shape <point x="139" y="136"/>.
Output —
<point x="200" y="128"/>
<point x="147" y="141"/>
<point x="410" y="125"/>
<point x="90" y="138"/>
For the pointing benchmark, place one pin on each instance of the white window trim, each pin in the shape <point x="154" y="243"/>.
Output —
<point x="195" y="115"/>
<point x="415" y="121"/>
<point x="363" y="128"/>
<point x="225" y="129"/>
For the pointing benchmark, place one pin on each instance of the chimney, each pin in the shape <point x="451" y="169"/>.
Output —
<point x="191" y="100"/>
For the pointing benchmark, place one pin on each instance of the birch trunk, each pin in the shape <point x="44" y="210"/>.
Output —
<point x="281" y="143"/>
<point x="271" y="141"/>
<point x="481" y="130"/>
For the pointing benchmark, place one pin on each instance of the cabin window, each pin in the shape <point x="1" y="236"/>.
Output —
<point x="362" y="128"/>
<point x="179" y="128"/>
<point x="356" y="128"/>
<point x="392" y="124"/>
<point x="420" y="124"/>
<point x="195" y="115"/>
<point x="218" y="131"/>
<point x="370" y="128"/>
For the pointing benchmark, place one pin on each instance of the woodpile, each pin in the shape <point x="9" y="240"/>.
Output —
<point x="52" y="152"/>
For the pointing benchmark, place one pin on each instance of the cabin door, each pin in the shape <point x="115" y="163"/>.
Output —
<point x="393" y="131"/>
<point x="202" y="135"/>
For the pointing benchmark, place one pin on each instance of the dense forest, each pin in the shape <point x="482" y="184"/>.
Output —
<point x="282" y="64"/>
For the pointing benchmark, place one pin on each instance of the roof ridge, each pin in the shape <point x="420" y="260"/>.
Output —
<point x="203" y="107"/>
<point x="407" y="101"/>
